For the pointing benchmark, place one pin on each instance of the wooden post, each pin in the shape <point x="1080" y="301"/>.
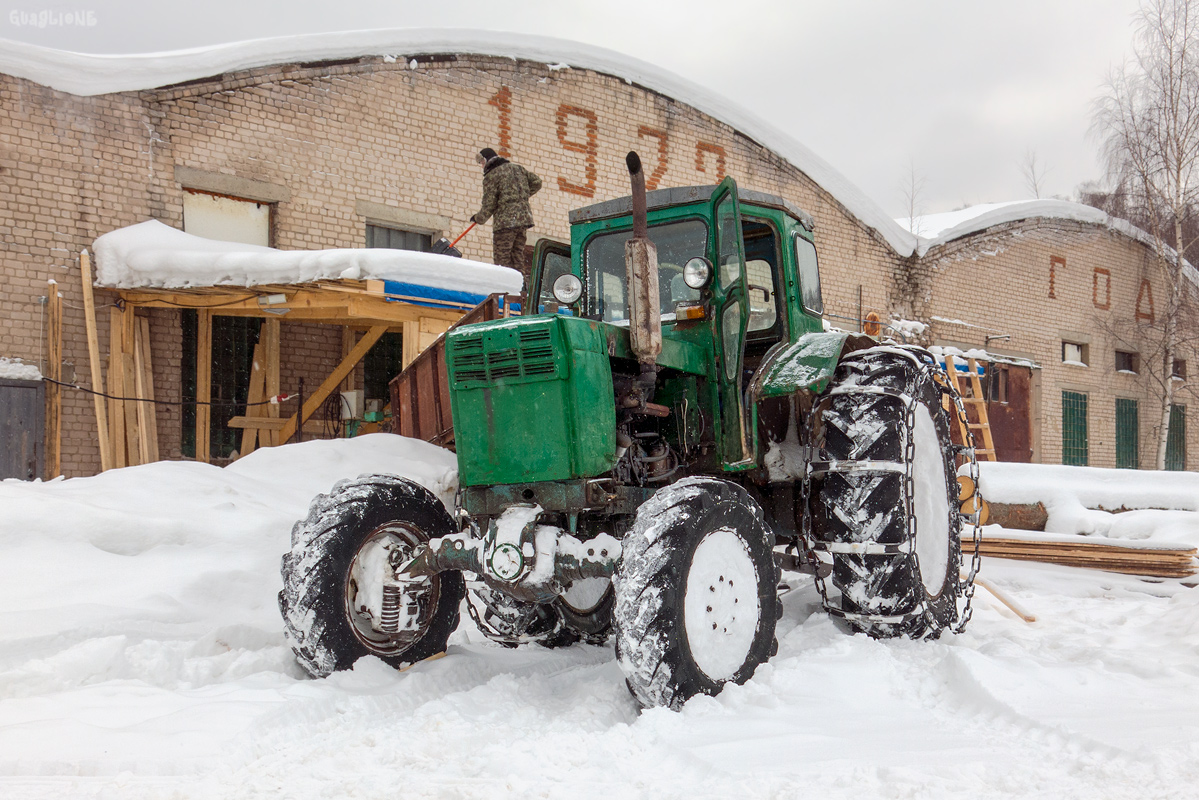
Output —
<point x="313" y="402"/>
<point x="93" y="355"/>
<point x="132" y="428"/>
<point x="203" y="383"/>
<point x="411" y="343"/>
<point x="53" y="390"/>
<point x="152" y="409"/>
<point x="116" y="388"/>
<point x="271" y="337"/>
<point x="147" y="434"/>
<point x="348" y="338"/>
<point x="249" y="436"/>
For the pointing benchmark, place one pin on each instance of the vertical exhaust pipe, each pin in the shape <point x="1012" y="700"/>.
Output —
<point x="641" y="267"/>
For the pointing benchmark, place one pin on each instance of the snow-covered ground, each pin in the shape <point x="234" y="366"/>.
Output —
<point x="142" y="655"/>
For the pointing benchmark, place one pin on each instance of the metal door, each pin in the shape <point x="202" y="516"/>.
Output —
<point x="22" y="428"/>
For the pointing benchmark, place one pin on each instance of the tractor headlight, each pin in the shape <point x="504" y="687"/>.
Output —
<point x="697" y="272"/>
<point x="568" y="289"/>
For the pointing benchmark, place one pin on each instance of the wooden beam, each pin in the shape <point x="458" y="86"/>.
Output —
<point x="203" y="384"/>
<point x="93" y="355"/>
<point x="54" y="373"/>
<point x="312" y="403"/>
<point x="148" y="379"/>
<point x="116" y="388"/>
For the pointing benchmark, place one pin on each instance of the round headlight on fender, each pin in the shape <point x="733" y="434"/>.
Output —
<point x="568" y="289"/>
<point x="697" y="272"/>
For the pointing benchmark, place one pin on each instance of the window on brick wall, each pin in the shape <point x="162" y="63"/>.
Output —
<point x="1075" y="353"/>
<point x="1180" y="369"/>
<point x="397" y="238"/>
<point x="1128" y="362"/>
<point x="384" y="361"/>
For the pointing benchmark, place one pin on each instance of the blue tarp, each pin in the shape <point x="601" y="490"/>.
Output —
<point x="437" y="298"/>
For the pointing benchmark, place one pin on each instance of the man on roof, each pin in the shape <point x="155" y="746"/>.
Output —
<point x="507" y="188"/>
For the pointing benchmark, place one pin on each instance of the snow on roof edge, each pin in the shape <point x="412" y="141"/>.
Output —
<point x="93" y="74"/>
<point x="994" y="214"/>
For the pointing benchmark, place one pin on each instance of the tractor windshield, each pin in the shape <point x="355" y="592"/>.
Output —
<point x="607" y="292"/>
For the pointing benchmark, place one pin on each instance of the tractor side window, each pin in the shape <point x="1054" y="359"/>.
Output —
<point x="555" y="265"/>
<point x="728" y="261"/>
<point x="761" y="272"/>
<point x="809" y="275"/>
<point x="603" y="263"/>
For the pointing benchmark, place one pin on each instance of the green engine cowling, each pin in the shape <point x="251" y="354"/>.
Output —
<point x="532" y="400"/>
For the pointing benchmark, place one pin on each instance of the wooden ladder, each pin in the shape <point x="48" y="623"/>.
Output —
<point x="978" y="402"/>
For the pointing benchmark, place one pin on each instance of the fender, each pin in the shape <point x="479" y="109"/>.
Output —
<point x="806" y="364"/>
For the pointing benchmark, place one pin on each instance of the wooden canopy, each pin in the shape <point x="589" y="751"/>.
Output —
<point x="128" y="435"/>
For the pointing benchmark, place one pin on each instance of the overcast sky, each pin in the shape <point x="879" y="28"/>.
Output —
<point x="958" y="90"/>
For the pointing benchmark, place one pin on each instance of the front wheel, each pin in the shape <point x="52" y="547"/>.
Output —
<point x="333" y="601"/>
<point x="696" y="593"/>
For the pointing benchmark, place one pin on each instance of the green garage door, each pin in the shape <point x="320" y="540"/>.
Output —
<point x="1128" y="434"/>
<point x="1176" y="440"/>
<point x="1074" y="429"/>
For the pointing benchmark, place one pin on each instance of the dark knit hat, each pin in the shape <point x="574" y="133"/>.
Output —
<point x="487" y="153"/>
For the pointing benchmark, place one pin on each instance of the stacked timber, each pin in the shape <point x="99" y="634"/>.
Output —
<point x="1152" y="559"/>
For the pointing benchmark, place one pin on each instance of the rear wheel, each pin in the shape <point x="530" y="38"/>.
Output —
<point x="883" y="505"/>
<point x="696" y="601"/>
<point x="333" y="599"/>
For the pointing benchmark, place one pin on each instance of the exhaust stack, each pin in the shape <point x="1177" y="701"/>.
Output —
<point x="641" y="266"/>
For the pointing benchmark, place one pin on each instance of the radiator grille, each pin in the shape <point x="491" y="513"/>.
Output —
<point x="530" y="356"/>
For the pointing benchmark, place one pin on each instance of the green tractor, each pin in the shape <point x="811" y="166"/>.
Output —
<point x="667" y="427"/>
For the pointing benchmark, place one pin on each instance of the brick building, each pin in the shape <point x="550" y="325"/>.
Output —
<point x="357" y="149"/>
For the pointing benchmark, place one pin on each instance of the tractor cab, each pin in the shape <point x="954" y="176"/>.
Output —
<point x="737" y="276"/>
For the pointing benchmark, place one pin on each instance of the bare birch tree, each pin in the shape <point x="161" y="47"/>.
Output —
<point x="1148" y="122"/>
<point x="1034" y="173"/>
<point x="913" y="197"/>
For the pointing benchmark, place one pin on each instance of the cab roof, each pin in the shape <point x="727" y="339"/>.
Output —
<point x="684" y="195"/>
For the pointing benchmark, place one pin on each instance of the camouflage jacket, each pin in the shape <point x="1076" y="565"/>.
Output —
<point x="507" y="188"/>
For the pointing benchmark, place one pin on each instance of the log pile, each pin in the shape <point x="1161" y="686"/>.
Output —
<point x="1110" y="555"/>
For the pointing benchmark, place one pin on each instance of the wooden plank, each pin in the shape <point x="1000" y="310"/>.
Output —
<point x="426" y="389"/>
<point x="445" y="417"/>
<point x="312" y="403"/>
<point x="248" y="423"/>
<point x="151" y="408"/>
<point x="203" y="384"/>
<point x="54" y="373"/>
<point x="93" y="357"/>
<point x="139" y="376"/>
<point x="256" y="394"/>
<point x="132" y="429"/>
<point x="116" y="388"/>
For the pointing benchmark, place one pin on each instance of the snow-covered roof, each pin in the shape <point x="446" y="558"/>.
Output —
<point x="153" y="255"/>
<point x="938" y="229"/>
<point x="89" y="74"/>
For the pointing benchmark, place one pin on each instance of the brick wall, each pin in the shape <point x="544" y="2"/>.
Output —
<point x="75" y="167"/>
<point x="329" y="137"/>
<point x="1042" y="282"/>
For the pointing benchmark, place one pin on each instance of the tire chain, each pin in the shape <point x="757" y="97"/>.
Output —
<point x="965" y="587"/>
